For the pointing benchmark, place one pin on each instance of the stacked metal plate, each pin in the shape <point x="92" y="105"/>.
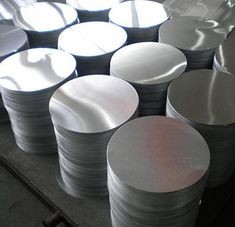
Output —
<point x="149" y="67"/>
<point x="92" y="44"/>
<point x="196" y="38"/>
<point x="223" y="59"/>
<point x="12" y="40"/>
<point x="27" y="80"/>
<point x="157" y="170"/>
<point x="140" y="19"/>
<point x="86" y="112"/>
<point x="92" y="10"/>
<point x="205" y="99"/>
<point x="44" y="21"/>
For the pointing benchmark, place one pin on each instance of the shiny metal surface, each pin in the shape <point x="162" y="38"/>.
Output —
<point x="138" y="14"/>
<point x="192" y="33"/>
<point x="92" y="5"/>
<point x="92" y="39"/>
<point x="157" y="155"/>
<point x="219" y="10"/>
<point x="8" y="7"/>
<point x="148" y="63"/>
<point x="36" y="69"/>
<point x="12" y="40"/>
<point x="204" y="97"/>
<point x="44" y="16"/>
<point x="93" y="104"/>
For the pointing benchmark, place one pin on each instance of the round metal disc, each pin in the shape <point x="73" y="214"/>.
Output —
<point x="138" y="14"/>
<point x="44" y="16"/>
<point x="158" y="155"/>
<point x="204" y="96"/>
<point x="148" y="63"/>
<point x="92" y="39"/>
<point x="12" y="40"/>
<point x="192" y="33"/>
<point x="93" y="104"/>
<point x="36" y="69"/>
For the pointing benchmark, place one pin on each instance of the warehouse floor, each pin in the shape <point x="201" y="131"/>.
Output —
<point x="29" y="194"/>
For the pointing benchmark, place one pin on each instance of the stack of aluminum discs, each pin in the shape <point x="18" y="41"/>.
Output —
<point x="86" y="112"/>
<point x="8" y="7"/>
<point x="157" y="170"/>
<point x="205" y="99"/>
<point x="92" y="44"/>
<point x="27" y="80"/>
<point x="223" y="59"/>
<point x="12" y="40"/>
<point x="149" y="67"/>
<point x="92" y="10"/>
<point x="140" y="19"/>
<point x="196" y="38"/>
<point x="44" y="21"/>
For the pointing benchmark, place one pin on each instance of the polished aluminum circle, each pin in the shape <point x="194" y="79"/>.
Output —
<point x="197" y="38"/>
<point x="27" y="80"/>
<point x="92" y="10"/>
<point x="157" y="169"/>
<point x="44" y="21"/>
<point x="92" y="44"/>
<point x="149" y="67"/>
<point x="205" y="100"/>
<point x="141" y="19"/>
<point x="86" y="112"/>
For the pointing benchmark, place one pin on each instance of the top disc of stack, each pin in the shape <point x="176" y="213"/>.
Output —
<point x="223" y="60"/>
<point x="92" y="10"/>
<point x="140" y="19"/>
<point x="12" y="40"/>
<point x="44" y="18"/>
<point x="197" y="38"/>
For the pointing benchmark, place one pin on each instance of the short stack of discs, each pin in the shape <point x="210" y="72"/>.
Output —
<point x="196" y="38"/>
<point x="44" y="21"/>
<point x="92" y="10"/>
<point x="149" y="67"/>
<point x="86" y="112"/>
<point x="12" y="40"/>
<point x="205" y="99"/>
<point x="157" y="170"/>
<point x="92" y="44"/>
<point x="27" y="80"/>
<point x="140" y="19"/>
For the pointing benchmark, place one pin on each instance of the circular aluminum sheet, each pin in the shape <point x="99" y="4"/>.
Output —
<point x="158" y="155"/>
<point x="12" y="40"/>
<point x="204" y="97"/>
<point x="93" y="104"/>
<point x="192" y="33"/>
<point x="92" y="39"/>
<point x="138" y="14"/>
<point x="36" y="69"/>
<point x="148" y="63"/>
<point x="44" y="16"/>
<point x="92" y="5"/>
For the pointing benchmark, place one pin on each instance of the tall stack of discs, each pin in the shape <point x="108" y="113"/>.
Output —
<point x="92" y="10"/>
<point x="92" y="44"/>
<point x="140" y="19"/>
<point x="86" y="112"/>
<point x="205" y="99"/>
<point x="27" y="80"/>
<point x="12" y="40"/>
<point x="8" y="7"/>
<point x="44" y="21"/>
<point x="149" y="67"/>
<point x="157" y="170"/>
<point x="197" y="38"/>
<point x="223" y="59"/>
